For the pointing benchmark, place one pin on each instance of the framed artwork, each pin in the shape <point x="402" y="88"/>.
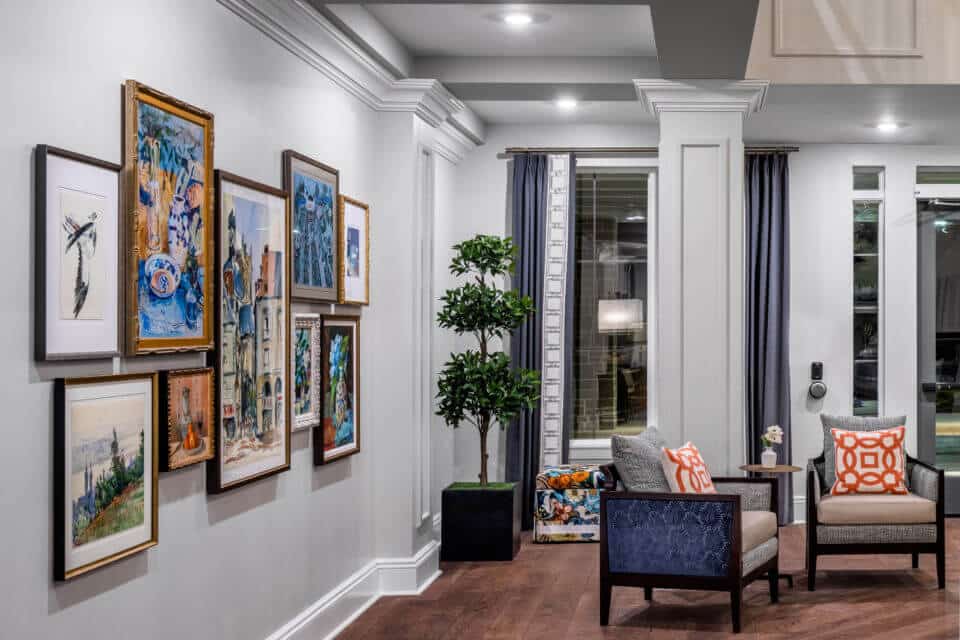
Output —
<point x="186" y="417"/>
<point x="253" y="353"/>
<point x="339" y="434"/>
<point x="306" y="370"/>
<point x="168" y="173"/>
<point x="314" y="189"/>
<point x="105" y="470"/>
<point x="77" y="296"/>
<point x="354" y="251"/>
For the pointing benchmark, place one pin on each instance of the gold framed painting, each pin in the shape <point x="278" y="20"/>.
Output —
<point x="354" y="241"/>
<point x="105" y="470"/>
<point x="253" y="333"/>
<point x="186" y="417"/>
<point x="168" y="178"/>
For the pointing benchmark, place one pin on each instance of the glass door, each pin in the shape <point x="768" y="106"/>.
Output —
<point x="938" y="324"/>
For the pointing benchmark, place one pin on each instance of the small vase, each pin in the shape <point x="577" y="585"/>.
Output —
<point x="768" y="458"/>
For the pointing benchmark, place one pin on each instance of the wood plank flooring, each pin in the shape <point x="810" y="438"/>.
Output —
<point x="552" y="592"/>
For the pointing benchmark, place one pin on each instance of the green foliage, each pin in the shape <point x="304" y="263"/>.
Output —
<point x="478" y="386"/>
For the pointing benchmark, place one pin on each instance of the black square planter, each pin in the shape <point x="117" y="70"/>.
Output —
<point x="480" y="524"/>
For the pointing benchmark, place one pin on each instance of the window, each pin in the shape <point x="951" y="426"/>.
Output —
<point x="611" y="301"/>
<point x="867" y="281"/>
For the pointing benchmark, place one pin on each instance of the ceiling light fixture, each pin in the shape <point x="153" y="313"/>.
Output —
<point x="566" y="104"/>
<point x="887" y="126"/>
<point x="518" y="20"/>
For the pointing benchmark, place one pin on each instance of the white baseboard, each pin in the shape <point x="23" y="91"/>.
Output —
<point x="343" y="604"/>
<point x="799" y="510"/>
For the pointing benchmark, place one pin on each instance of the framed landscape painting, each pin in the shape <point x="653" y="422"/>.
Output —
<point x="186" y="417"/>
<point x="253" y="354"/>
<point x="314" y="189"/>
<point x="354" y="251"/>
<point x="77" y="297"/>
<point x="339" y="434"/>
<point x="306" y="370"/>
<point x="168" y="172"/>
<point x="105" y="470"/>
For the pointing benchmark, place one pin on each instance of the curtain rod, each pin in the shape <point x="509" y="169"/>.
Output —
<point x="636" y="150"/>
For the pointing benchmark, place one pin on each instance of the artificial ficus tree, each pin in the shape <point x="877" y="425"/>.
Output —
<point x="479" y="386"/>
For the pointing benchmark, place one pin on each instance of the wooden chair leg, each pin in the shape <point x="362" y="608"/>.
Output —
<point x="735" y="598"/>
<point x="648" y="593"/>
<point x="606" y="593"/>
<point x="811" y="570"/>
<point x="773" y="576"/>
<point x="916" y="560"/>
<point x="941" y="567"/>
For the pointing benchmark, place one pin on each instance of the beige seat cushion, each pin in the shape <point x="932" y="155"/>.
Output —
<point x="880" y="508"/>
<point x="757" y="527"/>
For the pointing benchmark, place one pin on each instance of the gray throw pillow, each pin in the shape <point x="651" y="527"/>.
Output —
<point x="850" y="423"/>
<point x="637" y="459"/>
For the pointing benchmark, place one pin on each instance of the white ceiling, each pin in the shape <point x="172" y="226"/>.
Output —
<point x="475" y="30"/>
<point x="542" y="112"/>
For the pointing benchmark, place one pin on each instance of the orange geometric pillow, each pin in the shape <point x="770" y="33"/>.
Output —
<point x="685" y="470"/>
<point x="869" y="461"/>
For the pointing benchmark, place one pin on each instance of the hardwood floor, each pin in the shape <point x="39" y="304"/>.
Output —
<point x="552" y="592"/>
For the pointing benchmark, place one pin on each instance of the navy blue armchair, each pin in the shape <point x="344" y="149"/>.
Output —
<point x="716" y="542"/>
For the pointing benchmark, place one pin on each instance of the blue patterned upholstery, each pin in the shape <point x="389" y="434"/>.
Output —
<point x="669" y="537"/>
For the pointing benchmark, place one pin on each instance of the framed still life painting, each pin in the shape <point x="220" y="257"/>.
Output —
<point x="168" y="172"/>
<point x="77" y="297"/>
<point x="253" y="353"/>
<point x="105" y="470"/>
<point x="338" y="436"/>
<point x="354" y="251"/>
<point x="186" y="417"/>
<point x="314" y="189"/>
<point x="306" y="370"/>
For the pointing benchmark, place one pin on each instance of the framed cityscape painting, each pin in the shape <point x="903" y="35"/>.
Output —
<point x="306" y="370"/>
<point x="105" y="470"/>
<point x="168" y="172"/>
<point x="77" y="292"/>
<point x="354" y="251"/>
<point x="338" y="436"/>
<point x="314" y="190"/>
<point x="253" y="356"/>
<point x="186" y="417"/>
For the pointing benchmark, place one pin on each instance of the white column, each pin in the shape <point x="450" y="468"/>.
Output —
<point x="699" y="325"/>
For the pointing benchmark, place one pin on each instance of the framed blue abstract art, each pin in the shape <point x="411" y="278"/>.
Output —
<point x="314" y="189"/>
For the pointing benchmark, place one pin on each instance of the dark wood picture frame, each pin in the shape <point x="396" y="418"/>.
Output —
<point x="60" y="528"/>
<point x="215" y="482"/>
<point x="365" y="259"/>
<point x="41" y="154"/>
<point x="305" y="293"/>
<point x="320" y="456"/>
<point x="133" y="93"/>
<point x="167" y="415"/>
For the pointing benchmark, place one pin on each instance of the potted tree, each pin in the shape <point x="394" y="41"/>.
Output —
<point x="481" y="520"/>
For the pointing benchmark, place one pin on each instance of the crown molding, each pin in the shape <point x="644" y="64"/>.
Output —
<point x="742" y="96"/>
<point x="311" y="37"/>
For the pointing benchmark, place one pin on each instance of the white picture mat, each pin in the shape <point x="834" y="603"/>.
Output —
<point x="306" y="420"/>
<point x="67" y="337"/>
<point x="99" y="549"/>
<point x="355" y="352"/>
<point x="276" y="208"/>
<point x="355" y="287"/>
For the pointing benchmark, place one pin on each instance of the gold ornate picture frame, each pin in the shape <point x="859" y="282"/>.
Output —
<point x="354" y="250"/>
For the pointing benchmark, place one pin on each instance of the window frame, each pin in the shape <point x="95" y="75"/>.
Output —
<point x="863" y="196"/>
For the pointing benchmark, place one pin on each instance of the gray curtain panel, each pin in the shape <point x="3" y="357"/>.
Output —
<point x="529" y="199"/>
<point x="768" y="310"/>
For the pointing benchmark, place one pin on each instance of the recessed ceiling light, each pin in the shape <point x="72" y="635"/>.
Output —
<point x="518" y="19"/>
<point x="566" y="104"/>
<point x="887" y="126"/>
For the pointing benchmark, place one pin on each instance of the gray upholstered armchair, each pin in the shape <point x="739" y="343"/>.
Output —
<point x="870" y="524"/>
<point x="718" y="542"/>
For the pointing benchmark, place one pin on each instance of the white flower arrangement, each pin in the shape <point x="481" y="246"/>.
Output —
<point x="773" y="435"/>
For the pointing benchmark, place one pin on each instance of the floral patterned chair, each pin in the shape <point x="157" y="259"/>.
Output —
<point x="716" y="542"/>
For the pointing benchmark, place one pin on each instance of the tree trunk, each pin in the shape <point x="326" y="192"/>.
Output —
<point x="483" y="454"/>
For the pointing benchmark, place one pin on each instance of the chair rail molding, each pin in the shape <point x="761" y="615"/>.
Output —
<point x="307" y="34"/>
<point x="660" y="96"/>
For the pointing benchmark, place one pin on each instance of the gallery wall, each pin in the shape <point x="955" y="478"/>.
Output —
<point x="242" y="564"/>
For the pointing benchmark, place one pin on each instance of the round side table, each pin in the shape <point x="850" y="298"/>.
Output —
<point x="757" y="470"/>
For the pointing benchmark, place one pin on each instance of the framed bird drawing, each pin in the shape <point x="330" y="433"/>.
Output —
<point x="77" y="235"/>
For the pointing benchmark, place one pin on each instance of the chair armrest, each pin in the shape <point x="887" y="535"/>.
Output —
<point x="756" y="494"/>
<point x="670" y="534"/>
<point x="925" y="480"/>
<point x="610" y="477"/>
<point x="813" y="495"/>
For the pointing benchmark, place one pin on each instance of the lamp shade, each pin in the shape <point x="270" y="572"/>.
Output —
<point x="615" y="316"/>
